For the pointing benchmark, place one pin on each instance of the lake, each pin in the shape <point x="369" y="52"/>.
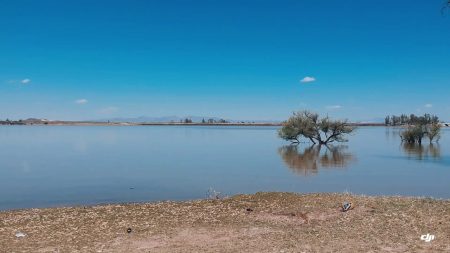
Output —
<point x="44" y="166"/>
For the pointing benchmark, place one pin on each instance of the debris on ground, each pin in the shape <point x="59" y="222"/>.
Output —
<point x="346" y="206"/>
<point x="20" y="234"/>
<point x="279" y="222"/>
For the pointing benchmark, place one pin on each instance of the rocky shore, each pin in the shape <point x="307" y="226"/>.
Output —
<point x="263" y="222"/>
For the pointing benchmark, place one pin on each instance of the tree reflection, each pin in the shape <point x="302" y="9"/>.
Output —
<point x="309" y="160"/>
<point x="422" y="151"/>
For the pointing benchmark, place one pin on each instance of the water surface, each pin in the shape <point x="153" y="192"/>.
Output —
<point x="43" y="166"/>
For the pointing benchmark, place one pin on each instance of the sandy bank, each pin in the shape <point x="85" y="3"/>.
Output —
<point x="264" y="222"/>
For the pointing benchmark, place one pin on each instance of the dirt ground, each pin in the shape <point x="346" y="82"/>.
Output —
<point x="263" y="222"/>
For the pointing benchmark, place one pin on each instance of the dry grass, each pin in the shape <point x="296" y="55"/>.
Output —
<point x="263" y="222"/>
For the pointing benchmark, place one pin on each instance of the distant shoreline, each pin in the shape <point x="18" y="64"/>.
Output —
<point x="92" y="123"/>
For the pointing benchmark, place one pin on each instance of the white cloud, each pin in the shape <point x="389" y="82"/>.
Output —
<point x="108" y="110"/>
<point x="308" y="79"/>
<point x="25" y="81"/>
<point x="81" y="101"/>
<point x="428" y="105"/>
<point x="333" y="107"/>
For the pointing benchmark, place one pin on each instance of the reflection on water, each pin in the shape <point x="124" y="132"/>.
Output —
<point x="422" y="151"/>
<point x="309" y="160"/>
<point x="393" y="133"/>
<point x="43" y="166"/>
<point x="414" y="150"/>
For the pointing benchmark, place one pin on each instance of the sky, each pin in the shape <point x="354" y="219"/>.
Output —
<point x="243" y="60"/>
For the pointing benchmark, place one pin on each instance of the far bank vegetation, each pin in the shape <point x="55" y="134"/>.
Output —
<point x="417" y="127"/>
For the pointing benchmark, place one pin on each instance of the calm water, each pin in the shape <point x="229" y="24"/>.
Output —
<point x="44" y="166"/>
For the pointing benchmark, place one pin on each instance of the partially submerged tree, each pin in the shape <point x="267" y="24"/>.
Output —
<point x="296" y="126"/>
<point x="415" y="133"/>
<point x="317" y="130"/>
<point x="289" y="132"/>
<point x="434" y="132"/>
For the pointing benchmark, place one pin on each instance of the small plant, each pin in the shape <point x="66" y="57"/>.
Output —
<point x="213" y="194"/>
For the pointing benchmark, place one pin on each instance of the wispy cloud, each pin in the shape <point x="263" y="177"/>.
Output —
<point x="333" y="107"/>
<point x="428" y="105"/>
<point x="15" y="81"/>
<point x="25" y="81"/>
<point x="108" y="110"/>
<point x="308" y="79"/>
<point x="81" y="101"/>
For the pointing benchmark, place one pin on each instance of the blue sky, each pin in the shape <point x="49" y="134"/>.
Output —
<point x="233" y="59"/>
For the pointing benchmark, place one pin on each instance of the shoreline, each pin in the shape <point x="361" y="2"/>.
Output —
<point x="151" y="202"/>
<point x="84" y="123"/>
<point x="261" y="222"/>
